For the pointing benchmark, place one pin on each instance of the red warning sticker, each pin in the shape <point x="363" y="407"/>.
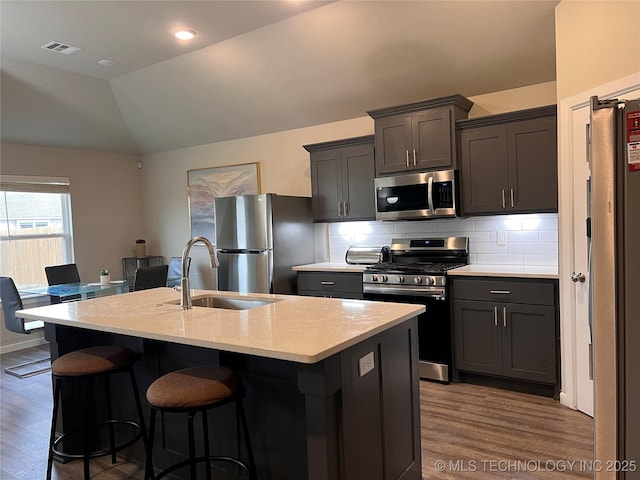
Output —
<point x="633" y="141"/>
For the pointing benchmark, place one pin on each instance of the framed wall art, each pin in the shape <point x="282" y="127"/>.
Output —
<point x="205" y="184"/>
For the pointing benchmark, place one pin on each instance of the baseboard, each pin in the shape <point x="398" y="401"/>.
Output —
<point x="14" y="347"/>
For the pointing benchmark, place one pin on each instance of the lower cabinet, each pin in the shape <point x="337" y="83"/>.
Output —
<point x="330" y="284"/>
<point x="506" y="328"/>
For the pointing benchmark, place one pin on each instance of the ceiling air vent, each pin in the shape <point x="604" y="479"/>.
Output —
<point x="60" y="47"/>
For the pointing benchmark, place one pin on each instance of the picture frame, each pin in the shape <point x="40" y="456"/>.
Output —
<point x="206" y="184"/>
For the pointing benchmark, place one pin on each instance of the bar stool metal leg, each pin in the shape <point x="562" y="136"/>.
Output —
<point x="149" y="473"/>
<point x="112" y="438"/>
<point x="54" y="419"/>
<point x="245" y="431"/>
<point x="192" y="445"/>
<point x="205" y="429"/>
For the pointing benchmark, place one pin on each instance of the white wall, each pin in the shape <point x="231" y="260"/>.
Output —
<point x="597" y="42"/>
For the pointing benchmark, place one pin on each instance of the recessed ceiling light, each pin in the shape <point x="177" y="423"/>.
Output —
<point x="107" y="63"/>
<point x="184" y="33"/>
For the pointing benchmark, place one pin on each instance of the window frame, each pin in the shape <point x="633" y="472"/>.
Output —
<point x="29" y="184"/>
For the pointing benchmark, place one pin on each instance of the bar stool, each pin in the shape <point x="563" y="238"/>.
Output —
<point x="82" y="368"/>
<point x="193" y="390"/>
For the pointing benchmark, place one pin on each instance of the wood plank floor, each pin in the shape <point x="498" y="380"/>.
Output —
<point x="468" y="432"/>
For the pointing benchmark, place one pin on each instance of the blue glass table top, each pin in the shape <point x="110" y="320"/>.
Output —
<point x="82" y="289"/>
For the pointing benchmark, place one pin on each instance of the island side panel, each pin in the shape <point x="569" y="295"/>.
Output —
<point x="381" y="407"/>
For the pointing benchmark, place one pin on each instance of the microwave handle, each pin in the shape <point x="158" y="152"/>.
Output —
<point x="430" y="194"/>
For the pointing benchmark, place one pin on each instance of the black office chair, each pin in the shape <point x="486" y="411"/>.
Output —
<point x="11" y="303"/>
<point x="61" y="274"/>
<point x="175" y="271"/>
<point x="150" y="277"/>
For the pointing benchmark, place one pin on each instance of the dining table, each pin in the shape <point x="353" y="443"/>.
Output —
<point x="77" y="291"/>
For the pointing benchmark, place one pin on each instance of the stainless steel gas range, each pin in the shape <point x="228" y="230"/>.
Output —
<point x="417" y="273"/>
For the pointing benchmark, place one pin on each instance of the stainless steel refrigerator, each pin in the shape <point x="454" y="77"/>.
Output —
<point x="615" y="285"/>
<point x="259" y="238"/>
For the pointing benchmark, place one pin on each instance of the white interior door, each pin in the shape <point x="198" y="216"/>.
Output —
<point x="584" y="374"/>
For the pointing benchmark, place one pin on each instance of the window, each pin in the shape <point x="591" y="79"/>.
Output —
<point x="35" y="227"/>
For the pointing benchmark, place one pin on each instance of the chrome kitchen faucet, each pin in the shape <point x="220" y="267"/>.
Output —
<point x="185" y="300"/>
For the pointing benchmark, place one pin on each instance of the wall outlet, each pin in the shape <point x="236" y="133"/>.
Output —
<point x="501" y="238"/>
<point x="366" y="364"/>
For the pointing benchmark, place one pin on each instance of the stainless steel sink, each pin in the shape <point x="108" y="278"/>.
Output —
<point x="228" y="303"/>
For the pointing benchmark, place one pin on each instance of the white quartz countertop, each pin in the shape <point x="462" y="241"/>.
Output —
<point x="329" y="267"/>
<point x="513" y="271"/>
<point x="294" y="328"/>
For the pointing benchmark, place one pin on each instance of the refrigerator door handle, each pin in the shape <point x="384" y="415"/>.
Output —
<point x="249" y="251"/>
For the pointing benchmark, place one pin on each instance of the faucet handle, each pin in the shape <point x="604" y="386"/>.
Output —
<point x="177" y="288"/>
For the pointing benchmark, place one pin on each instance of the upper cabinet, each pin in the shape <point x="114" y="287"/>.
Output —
<point x="509" y="162"/>
<point x="342" y="174"/>
<point x="418" y="136"/>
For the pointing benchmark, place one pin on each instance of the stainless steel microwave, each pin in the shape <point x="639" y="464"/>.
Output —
<point x="417" y="196"/>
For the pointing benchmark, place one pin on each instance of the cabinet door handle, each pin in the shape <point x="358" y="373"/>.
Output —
<point x="495" y="316"/>
<point x="504" y="316"/>
<point x="327" y="283"/>
<point x="500" y="292"/>
<point x="345" y="209"/>
<point x="504" y="205"/>
<point x="415" y="161"/>
<point x="512" y="205"/>
<point x="407" y="158"/>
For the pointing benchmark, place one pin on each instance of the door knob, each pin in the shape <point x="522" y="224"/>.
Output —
<point x="578" y="277"/>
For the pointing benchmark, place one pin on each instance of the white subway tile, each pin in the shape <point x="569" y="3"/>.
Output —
<point x="493" y="259"/>
<point x="416" y="228"/>
<point x="380" y="227"/>
<point x="488" y="248"/>
<point x="499" y="222"/>
<point x="522" y="236"/>
<point x="533" y="247"/>
<point x="540" y="222"/>
<point x="535" y="259"/>
<point x="452" y="225"/>
<point x="548" y="235"/>
<point x="477" y="237"/>
<point x="380" y="240"/>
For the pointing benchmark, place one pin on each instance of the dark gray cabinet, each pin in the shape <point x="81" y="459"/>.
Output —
<point x="330" y="284"/>
<point x="506" y="328"/>
<point x="509" y="162"/>
<point x="418" y="136"/>
<point x="342" y="174"/>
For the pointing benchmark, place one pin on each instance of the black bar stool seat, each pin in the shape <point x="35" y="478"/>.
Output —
<point x="193" y="390"/>
<point x="83" y="368"/>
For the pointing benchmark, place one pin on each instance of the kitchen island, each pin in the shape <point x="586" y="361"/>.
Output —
<point x="332" y="385"/>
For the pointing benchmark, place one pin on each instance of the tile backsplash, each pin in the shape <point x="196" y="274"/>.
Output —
<point x="530" y="239"/>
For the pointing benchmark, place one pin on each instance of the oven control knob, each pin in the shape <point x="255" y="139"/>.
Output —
<point x="417" y="280"/>
<point x="428" y="280"/>
<point x="383" y="278"/>
<point x="400" y="279"/>
<point x="374" y="278"/>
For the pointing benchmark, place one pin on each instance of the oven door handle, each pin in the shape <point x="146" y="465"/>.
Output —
<point x="430" y="194"/>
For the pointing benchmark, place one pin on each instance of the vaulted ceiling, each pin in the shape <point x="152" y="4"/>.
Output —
<point x="255" y="67"/>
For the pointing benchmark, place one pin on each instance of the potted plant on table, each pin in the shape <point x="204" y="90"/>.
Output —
<point x="105" y="278"/>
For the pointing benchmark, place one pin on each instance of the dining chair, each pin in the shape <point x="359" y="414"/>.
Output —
<point x="11" y="303"/>
<point x="175" y="271"/>
<point x="150" y="277"/>
<point x="61" y="274"/>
